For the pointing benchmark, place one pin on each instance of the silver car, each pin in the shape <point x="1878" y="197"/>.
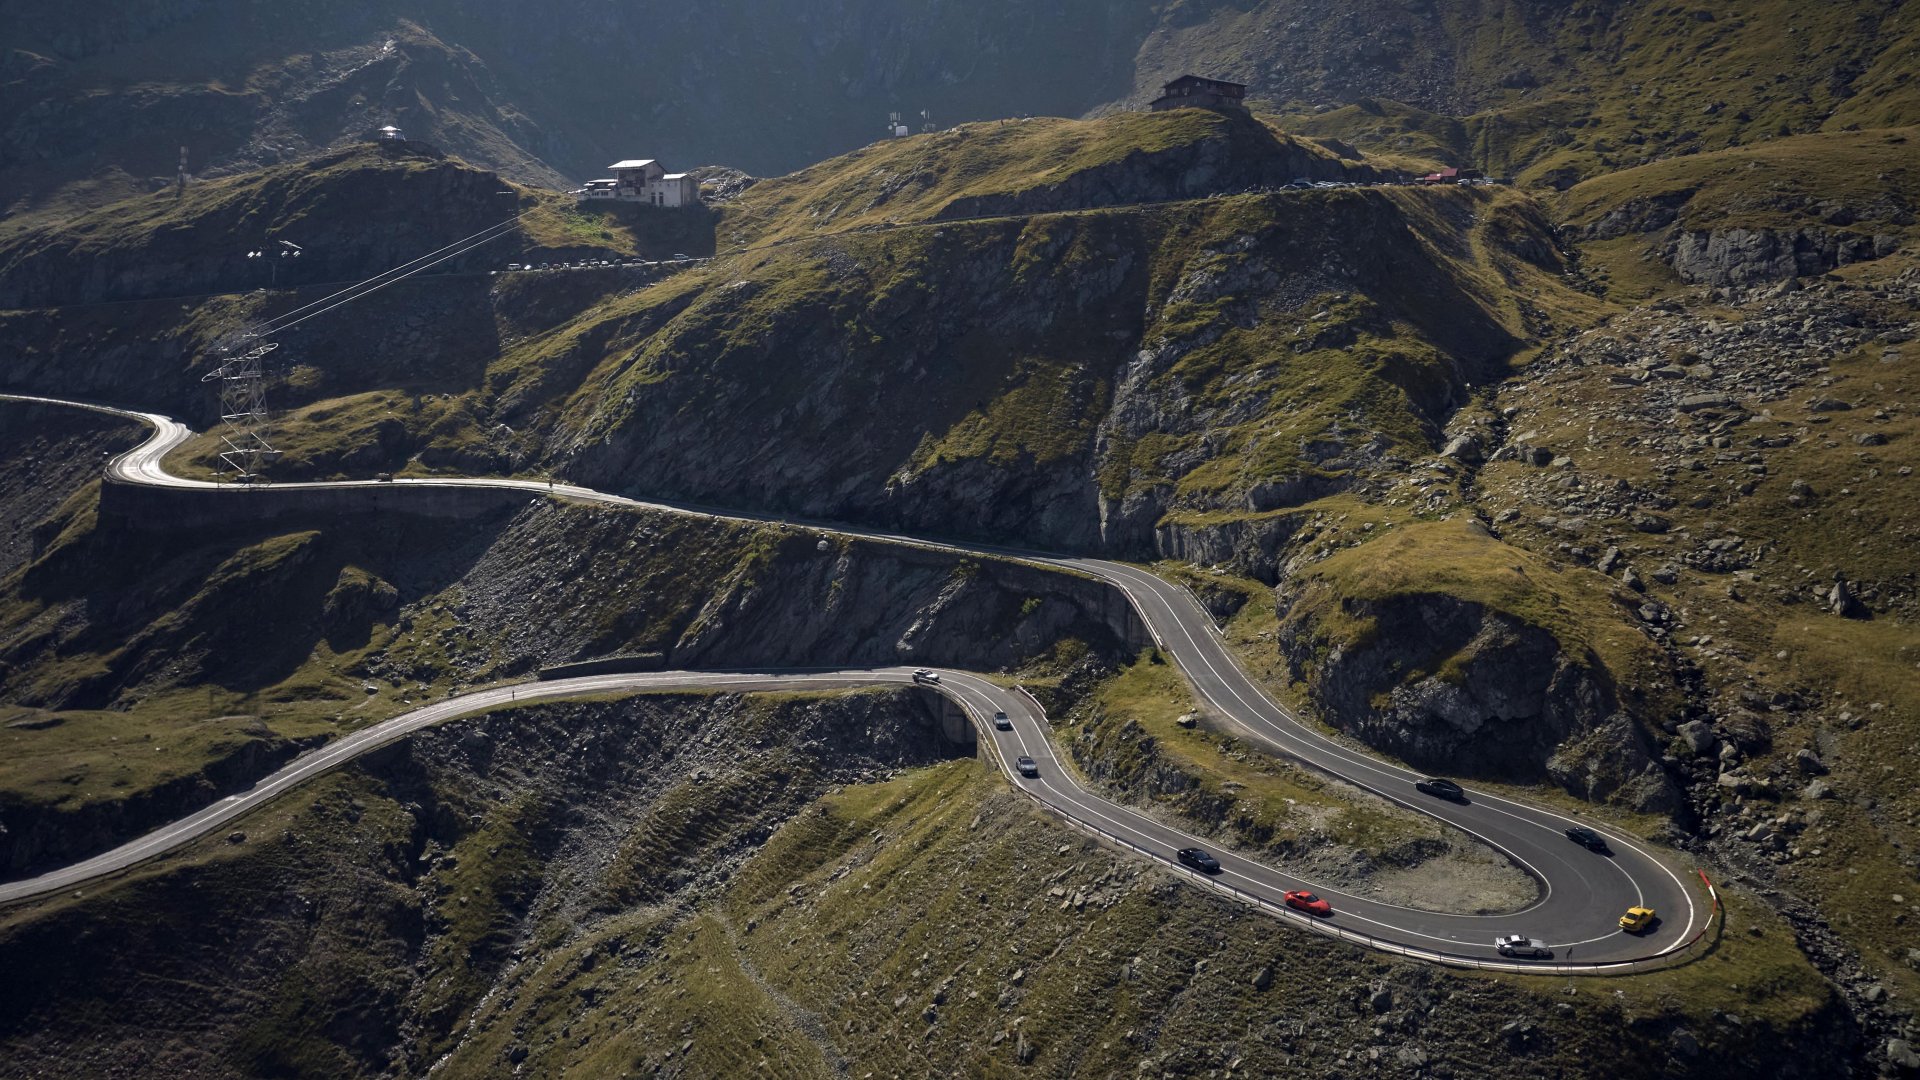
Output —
<point x="1520" y="945"/>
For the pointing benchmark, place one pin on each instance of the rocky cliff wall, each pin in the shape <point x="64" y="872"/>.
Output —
<point x="1450" y="686"/>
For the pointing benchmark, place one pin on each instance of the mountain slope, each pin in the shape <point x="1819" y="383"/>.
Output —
<point x="102" y="105"/>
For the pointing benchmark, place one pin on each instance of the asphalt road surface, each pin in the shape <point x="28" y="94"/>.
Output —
<point x="1581" y="893"/>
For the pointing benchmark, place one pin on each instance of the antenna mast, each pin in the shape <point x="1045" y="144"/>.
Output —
<point x="243" y="412"/>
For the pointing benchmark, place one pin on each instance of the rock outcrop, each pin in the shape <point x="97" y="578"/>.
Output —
<point x="1451" y="686"/>
<point x="1742" y="257"/>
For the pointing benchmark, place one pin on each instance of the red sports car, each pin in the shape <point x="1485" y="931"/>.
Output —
<point x="1309" y="903"/>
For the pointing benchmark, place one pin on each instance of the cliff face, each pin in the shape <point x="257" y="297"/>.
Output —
<point x="1464" y="691"/>
<point x="1058" y="382"/>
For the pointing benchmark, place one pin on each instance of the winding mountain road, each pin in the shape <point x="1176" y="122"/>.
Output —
<point x="1581" y="894"/>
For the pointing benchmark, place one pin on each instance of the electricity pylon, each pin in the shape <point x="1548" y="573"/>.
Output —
<point x="243" y="412"/>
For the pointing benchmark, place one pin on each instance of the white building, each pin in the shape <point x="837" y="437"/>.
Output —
<point x="644" y="180"/>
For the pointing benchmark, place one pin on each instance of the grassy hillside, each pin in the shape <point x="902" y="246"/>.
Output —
<point x="1003" y="166"/>
<point x="1292" y="341"/>
<point x="924" y="920"/>
<point x="1554" y="94"/>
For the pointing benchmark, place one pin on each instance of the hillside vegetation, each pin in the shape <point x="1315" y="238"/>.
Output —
<point x="1067" y="375"/>
<point x="817" y="896"/>
<point x="1552" y="93"/>
<point x="1594" y="489"/>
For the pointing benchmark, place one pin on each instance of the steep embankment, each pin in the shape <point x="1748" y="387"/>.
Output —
<point x="685" y="886"/>
<point x="153" y="672"/>
<point x="47" y="454"/>
<point x="1738" y="465"/>
<point x="381" y="905"/>
<point x="135" y="302"/>
<point x="1063" y="379"/>
<point x="1194" y="377"/>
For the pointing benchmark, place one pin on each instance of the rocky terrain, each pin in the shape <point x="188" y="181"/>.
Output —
<point x="694" y="886"/>
<point x="366" y="617"/>
<point x="49" y="454"/>
<point x="1594" y="489"/>
<point x="378" y="910"/>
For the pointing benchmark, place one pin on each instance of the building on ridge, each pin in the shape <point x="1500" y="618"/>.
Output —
<point x="644" y="180"/>
<point x="1195" y="92"/>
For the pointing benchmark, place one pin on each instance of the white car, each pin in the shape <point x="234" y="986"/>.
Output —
<point x="925" y="676"/>
<point x="1000" y="721"/>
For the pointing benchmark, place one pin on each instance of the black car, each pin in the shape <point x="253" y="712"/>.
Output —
<point x="1588" y="839"/>
<point x="1199" y="860"/>
<point x="1442" y="789"/>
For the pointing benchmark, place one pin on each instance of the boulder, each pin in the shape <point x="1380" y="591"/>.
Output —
<point x="1699" y="736"/>
<point x="1462" y="447"/>
<point x="1809" y="763"/>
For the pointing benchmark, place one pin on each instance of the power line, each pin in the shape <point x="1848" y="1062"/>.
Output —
<point x="497" y="230"/>
<point x="278" y="326"/>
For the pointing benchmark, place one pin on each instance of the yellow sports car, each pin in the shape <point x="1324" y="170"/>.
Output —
<point x="1636" y="919"/>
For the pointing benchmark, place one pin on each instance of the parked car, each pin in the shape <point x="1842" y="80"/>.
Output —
<point x="1000" y="721"/>
<point x="922" y="675"/>
<point x="1302" y="900"/>
<point x="1588" y="839"/>
<point x="1441" y="789"/>
<point x="1638" y="920"/>
<point x="1199" y="860"/>
<point x="1522" y="946"/>
<point x="1027" y="766"/>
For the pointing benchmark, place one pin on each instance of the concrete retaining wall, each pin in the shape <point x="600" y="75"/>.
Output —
<point x="160" y="509"/>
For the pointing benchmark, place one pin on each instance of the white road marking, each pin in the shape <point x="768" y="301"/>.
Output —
<point x="144" y="465"/>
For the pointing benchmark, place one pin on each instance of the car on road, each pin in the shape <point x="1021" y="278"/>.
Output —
<point x="383" y="477"/>
<point x="1588" y="839"/>
<point x="1000" y="721"/>
<point x="1522" y="946"/>
<point x="1302" y="900"/>
<point x="1440" y="789"/>
<point x="679" y="257"/>
<point x="925" y="676"/>
<point x="1027" y="766"/>
<point x="1198" y="859"/>
<point x="1638" y="920"/>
